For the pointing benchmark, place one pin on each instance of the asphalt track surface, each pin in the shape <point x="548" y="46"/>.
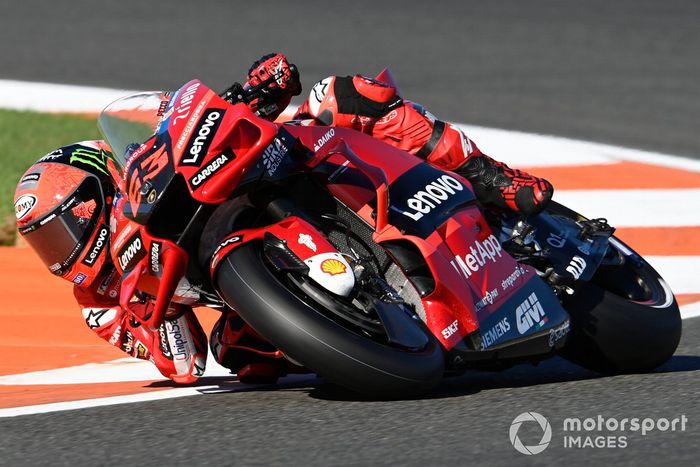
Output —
<point x="621" y="72"/>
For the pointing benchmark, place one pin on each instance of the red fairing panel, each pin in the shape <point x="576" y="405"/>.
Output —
<point x="212" y="137"/>
<point x="301" y="237"/>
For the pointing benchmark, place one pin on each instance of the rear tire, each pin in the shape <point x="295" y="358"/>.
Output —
<point x="317" y="342"/>
<point x="626" y="320"/>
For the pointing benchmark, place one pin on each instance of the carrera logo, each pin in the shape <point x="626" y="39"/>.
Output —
<point x="211" y="168"/>
<point x="46" y="220"/>
<point x="132" y="252"/>
<point x="203" y="136"/>
<point x="273" y="155"/>
<point x="490" y="249"/>
<point x="97" y="247"/>
<point x="324" y="139"/>
<point x="163" y="341"/>
<point x="333" y="266"/>
<point x="529" y="314"/>
<point x="434" y="193"/>
<point x="155" y="257"/>
<point x="24" y="206"/>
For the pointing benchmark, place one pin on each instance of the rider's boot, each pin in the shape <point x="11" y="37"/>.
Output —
<point x="236" y="346"/>
<point x="498" y="185"/>
<point x="495" y="184"/>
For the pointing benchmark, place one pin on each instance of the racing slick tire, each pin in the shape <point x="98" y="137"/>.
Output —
<point x="626" y="319"/>
<point x="307" y="336"/>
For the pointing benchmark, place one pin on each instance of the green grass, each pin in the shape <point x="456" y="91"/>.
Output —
<point x="24" y="138"/>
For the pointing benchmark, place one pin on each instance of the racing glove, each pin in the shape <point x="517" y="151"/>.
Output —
<point x="271" y="84"/>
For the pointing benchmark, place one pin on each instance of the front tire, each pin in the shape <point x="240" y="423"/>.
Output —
<point x="324" y="346"/>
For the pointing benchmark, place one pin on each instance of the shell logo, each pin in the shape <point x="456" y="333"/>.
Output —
<point x="333" y="266"/>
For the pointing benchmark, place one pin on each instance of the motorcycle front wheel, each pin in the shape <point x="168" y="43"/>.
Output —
<point x="343" y="354"/>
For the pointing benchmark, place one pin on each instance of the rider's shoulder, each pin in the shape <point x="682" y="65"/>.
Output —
<point x="373" y="89"/>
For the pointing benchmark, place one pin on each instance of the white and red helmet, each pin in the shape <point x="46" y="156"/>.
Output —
<point x="62" y="206"/>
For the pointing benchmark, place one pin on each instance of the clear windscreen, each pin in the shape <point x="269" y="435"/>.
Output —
<point x="131" y="120"/>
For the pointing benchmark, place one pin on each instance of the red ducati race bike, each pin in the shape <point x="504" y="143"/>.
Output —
<point x="359" y="261"/>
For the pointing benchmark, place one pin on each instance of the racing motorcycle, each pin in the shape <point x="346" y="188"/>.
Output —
<point x="359" y="261"/>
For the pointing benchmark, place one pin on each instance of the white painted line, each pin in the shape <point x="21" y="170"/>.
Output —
<point x="227" y="386"/>
<point x="690" y="311"/>
<point x="636" y="208"/>
<point x="115" y="371"/>
<point x="87" y="403"/>
<point x="681" y="273"/>
<point x="524" y="149"/>
<point x="528" y="149"/>
<point x="47" y="97"/>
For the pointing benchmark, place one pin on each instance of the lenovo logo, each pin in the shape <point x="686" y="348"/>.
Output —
<point x="432" y="195"/>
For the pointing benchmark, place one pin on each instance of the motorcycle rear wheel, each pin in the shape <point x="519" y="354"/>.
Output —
<point x="626" y="319"/>
<point x="275" y="310"/>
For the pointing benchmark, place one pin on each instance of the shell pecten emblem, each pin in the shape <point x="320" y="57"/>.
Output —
<point x="333" y="266"/>
<point x="332" y="272"/>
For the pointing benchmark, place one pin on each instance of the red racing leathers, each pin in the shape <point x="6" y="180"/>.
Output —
<point x="375" y="108"/>
<point x="178" y="348"/>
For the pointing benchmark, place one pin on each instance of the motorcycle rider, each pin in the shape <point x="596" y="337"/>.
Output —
<point x="376" y="108"/>
<point x="63" y="204"/>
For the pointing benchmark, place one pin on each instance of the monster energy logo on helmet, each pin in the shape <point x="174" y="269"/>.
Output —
<point x="96" y="158"/>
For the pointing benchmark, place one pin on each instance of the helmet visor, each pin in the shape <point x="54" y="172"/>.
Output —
<point x="60" y="237"/>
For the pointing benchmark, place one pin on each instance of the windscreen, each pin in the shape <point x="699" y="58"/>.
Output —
<point x="131" y="120"/>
